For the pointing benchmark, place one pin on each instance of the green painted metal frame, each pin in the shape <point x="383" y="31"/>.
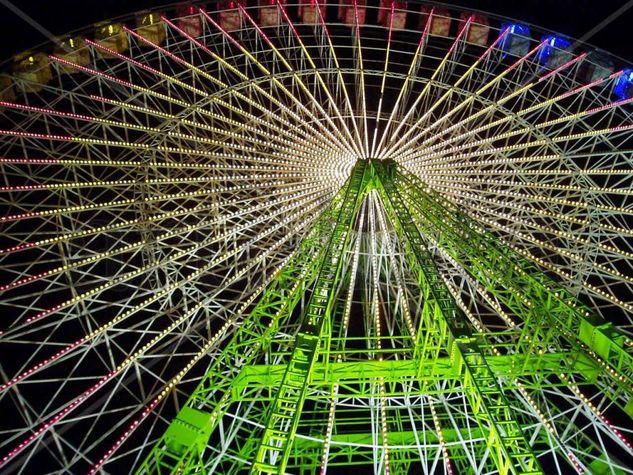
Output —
<point x="285" y="411"/>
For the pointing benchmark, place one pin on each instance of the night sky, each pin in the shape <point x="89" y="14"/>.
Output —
<point x="569" y="17"/>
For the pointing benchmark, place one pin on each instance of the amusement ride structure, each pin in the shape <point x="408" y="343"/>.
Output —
<point x="299" y="238"/>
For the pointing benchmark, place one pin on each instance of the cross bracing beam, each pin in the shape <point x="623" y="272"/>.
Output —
<point x="254" y="377"/>
<point x="358" y="448"/>
<point x="509" y="448"/>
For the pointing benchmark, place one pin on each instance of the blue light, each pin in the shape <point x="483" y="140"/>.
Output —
<point x="516" y="29"/>
<point x="517" y="40"/>
<point x="624" y="85"/>
<point x="553" y="52"/>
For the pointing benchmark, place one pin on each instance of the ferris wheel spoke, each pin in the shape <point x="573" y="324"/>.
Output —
<point x="535" y="127"/>
<point x="490" y="206"/>
<point x="225" y="122"/>
<point x="135" y="146"/>
<point x="383" y="80"/>
<point x="397" y="149"/>
<point x="158" y="398"/>
<point x="554" y="188"/>
<point x="575" y="139"/>
<point x="337" y="138"/>
<point x="566" y="255"/>
<point x="406" y="86"/>
<point x="571" y="116"/>
<point x="162" y="293"/>
<point x="360" y="72"/>
<point x="339" y="75"/>
<point x="121" y="82"/>
<point x="178" y="231"/>
<point x="520" y="113"/>
<point x="391" y="146"/>
<point x="581" y="218"/>
<point x="569" y="424"/>
<point x="285" y="127"/>
<point x="324" y="87"/>
<point x="165" y="197"/>
<point x="175" y="101"/>
<point x="526" y="198"/>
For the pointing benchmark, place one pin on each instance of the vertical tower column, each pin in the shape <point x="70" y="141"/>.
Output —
<point x="508" y="447"/>
<point x="284" y="413"/>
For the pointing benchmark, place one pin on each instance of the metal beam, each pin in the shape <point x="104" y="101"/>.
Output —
<point x="551" y="316"/>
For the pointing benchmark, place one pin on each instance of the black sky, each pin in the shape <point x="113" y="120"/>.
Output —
<point x="569" y="17"/>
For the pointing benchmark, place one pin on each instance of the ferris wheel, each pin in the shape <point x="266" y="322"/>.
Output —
<point x="301" y="238"/>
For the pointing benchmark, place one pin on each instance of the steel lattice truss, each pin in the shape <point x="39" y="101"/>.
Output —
<point x="254" y="240"/>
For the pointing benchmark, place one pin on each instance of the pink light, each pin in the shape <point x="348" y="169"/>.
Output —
<point x="32" y="135"/>
<point x="585" y="86"/>
<point x="92" y="71"/>
<point x="52" y="421"/>
<point x="609" y="106"/>
<point x="45" y="111"/>
<point x="186" y="35"/>
<point x="563" y="66"/>
<point x="124" y="58"/>
<point x="259" y="30"/>
<point x="529" y="53"/>
<point x="462" y="31"/>
<point x="153" y="45"/>
<point x="226" y="34"/>
<point x="130" y="430"/>
<point x="494" y="44"/>
<point x="19" y="247"/>
<point x="43" y="363"/>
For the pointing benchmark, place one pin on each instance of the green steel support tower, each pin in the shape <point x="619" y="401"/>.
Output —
<point x="434" y="351"/>
<point x="292" y="239"/>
